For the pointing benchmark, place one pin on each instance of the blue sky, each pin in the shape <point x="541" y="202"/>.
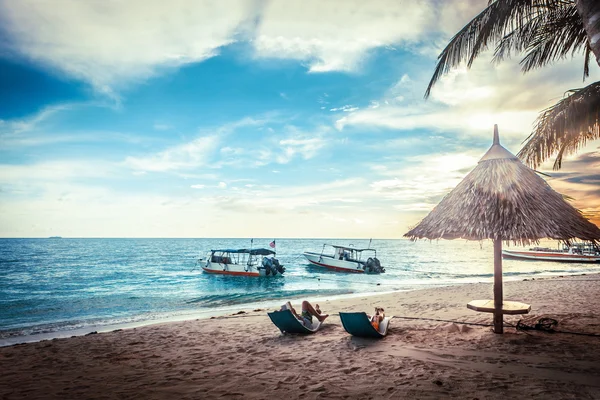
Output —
<point x="251" y="119"/>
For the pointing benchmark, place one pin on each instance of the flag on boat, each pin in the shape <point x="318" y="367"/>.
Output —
<point x="272" y="244"/>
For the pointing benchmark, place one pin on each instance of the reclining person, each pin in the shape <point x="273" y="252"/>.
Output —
<point x="308" y="312"/>
<point x="377" y="317"/>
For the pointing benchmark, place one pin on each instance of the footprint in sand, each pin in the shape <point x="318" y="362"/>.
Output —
<point x="320" y="388"/>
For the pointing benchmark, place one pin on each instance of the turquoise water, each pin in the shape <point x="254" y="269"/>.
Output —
<point x="65" y="285"/>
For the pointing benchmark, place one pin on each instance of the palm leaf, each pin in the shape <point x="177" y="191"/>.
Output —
<point x="565" y="127"/>
<point x="561" y="32"/>
<point x="499" y="19"/>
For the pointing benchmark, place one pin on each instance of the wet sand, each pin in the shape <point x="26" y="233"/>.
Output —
<point x="245" y="355"/>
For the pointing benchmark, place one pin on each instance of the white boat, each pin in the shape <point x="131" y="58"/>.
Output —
<point x="347" y="259"/>
<point x="242" y="262"/>
<point x="577" y="252"/>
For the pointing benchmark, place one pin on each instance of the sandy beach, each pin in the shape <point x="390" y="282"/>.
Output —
<point x="245" y="355"/>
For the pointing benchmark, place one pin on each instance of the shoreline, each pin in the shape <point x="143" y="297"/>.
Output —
<point x="245" y="355"/>
<point x="201" y="314"/>
<point x="187" y="316"/>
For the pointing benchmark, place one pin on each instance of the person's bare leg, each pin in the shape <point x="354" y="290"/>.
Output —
<point x="308" y="307"/>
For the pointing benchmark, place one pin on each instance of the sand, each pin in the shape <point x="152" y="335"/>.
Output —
<point x="245" y="355"/>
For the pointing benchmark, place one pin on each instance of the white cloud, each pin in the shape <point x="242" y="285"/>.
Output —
<point x="193" y="154"/>
<point x="113" y="43"/>
<point x="51" y="171"/>
<point x="513" y="123"/>
<point x="346" y="108"/>
<point x="87" y="211"/>
<point x="334" y="36"/>
<point x="189" y="155"/>
<point x="419" y="182"/>
<point x="288" y="149"/>
<point x="232" y="151"/>
<point x="23" y="125"/>
<point x="306" y="148"/>
<point x="471" y="101"/>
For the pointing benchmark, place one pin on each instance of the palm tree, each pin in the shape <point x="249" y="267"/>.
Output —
<point x="546" y="31"/>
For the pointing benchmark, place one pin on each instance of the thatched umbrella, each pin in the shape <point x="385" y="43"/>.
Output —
<point x="504" y="200"/>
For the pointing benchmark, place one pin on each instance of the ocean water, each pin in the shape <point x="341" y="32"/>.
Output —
<point x="59" y="287"/>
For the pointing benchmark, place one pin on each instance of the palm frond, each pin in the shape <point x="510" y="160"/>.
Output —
<point x="560" y="32"/>
<point x="515" y="41"/>
<point x="491" y="25"/>
<point x="565" y="127"/>
<point x="586" y="62"/>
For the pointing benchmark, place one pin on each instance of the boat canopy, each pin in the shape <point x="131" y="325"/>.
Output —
<point x="253" y="252"/>
<point x="349" y="248"/>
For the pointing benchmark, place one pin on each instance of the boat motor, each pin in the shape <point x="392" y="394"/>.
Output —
<point x="373" y="265"/>
<point x="272" y="266"/>
<point x="280" y="268"/>
<point x="267" y="264"/>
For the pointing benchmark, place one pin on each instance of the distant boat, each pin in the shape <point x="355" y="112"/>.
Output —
<point x="55" y="237"/>
<point x="242" y="262"/>
<point x="347" y="259"/>
<point x="577" y="252"/>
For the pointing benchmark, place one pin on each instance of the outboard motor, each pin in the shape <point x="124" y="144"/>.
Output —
<point x="278" y="267"/>
<point x="373" y="265"/>
<point x="268" y="265"/>
<point x="380" y="269"/>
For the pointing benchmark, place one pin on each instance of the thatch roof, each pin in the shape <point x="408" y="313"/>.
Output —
<point x="504" y="199"/>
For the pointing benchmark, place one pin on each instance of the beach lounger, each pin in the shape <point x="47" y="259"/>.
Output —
<point x="287" y="323"/>
<point x="358" y="324"/>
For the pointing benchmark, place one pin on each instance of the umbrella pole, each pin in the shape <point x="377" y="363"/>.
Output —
<point x="498" y="323"/>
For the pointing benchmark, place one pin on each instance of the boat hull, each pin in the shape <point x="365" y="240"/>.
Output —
<point x="333" y="264"/>
<point x="549" y="256"/>
<point x="233" y="269"/>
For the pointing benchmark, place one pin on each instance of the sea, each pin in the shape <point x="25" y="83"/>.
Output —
<point x="60" y="287"/>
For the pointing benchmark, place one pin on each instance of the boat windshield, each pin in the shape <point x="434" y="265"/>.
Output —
<point x="253" y="252"/>
<point x="351" y="253"/>
<point x="586" y="248"/>
<point x="239" y="256"/>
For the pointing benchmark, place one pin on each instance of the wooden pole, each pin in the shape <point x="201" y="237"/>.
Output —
<point x="498" y="320"/>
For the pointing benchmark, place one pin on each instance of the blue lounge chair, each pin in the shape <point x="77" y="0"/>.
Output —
<point x="287" y="323"/>
<point x="358" y="324"/>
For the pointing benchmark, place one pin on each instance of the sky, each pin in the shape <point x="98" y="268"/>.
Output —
<point x="263" y="119"/>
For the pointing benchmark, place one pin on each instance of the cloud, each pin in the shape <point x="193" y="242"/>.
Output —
<point x="306" y="148"/>
<point x="232" y="151"/>
<point x="267" y="199"/>
<point x="513" y="123"/>
<point x="333" y="36"/>
<point x="196" y="153"/>
<point x="297" y="144"/>
<point x="346" y="108"/>
<point x="114" y="44"/>
<point x="470" y="102"/>
<point x="110" y="44"/>
<point x="189" y="155"/>
<point x="421" y="181"/>
<point x="579" y="179"/>
<point x="23" y="125"/>
<point x="57" y="170"/>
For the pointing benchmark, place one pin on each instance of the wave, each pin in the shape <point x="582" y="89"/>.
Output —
<point x="220" y="300"/>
